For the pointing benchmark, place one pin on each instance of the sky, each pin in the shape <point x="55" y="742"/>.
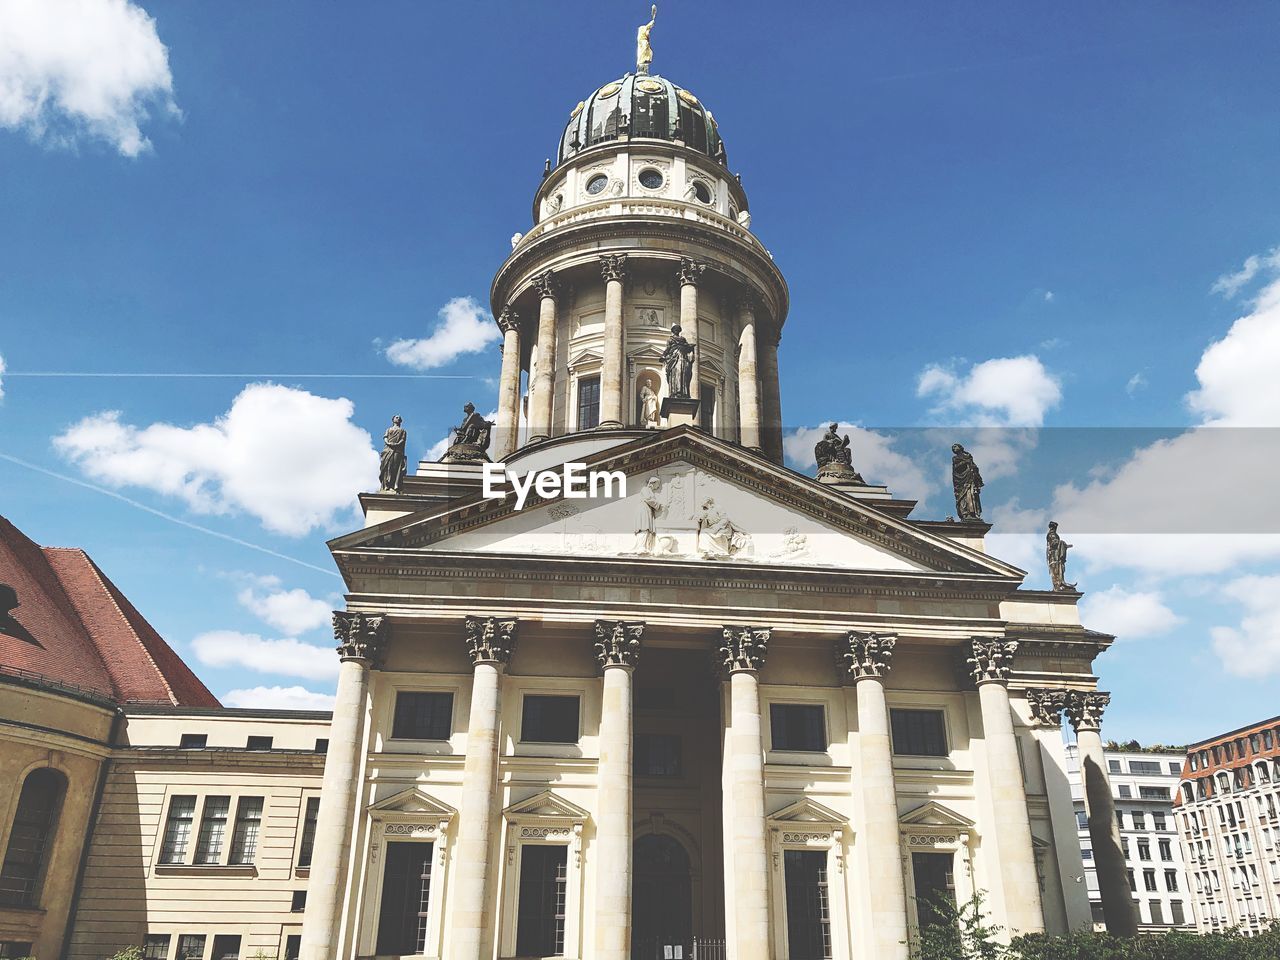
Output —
<point x="238" y="238"/>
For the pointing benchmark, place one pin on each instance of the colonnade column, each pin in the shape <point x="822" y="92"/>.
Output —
<point x="489" y="644"/>
<point x="748" y="377"/>
<point x="742" y="654"/>
<point x="613" y="267"/>
<point x="617" y="649"/>
<point x="508" y="385"/>
<point x="991" y="661"/>
<point x="771" y="401"/>
<point x="542" y="394"/>
<point x="1085" y="712"/>
<point x="361" y="640"/>
<point x="866" y="658"/>
<point x="690" y="273"/>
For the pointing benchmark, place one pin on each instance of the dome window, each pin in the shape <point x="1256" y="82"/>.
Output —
<point x="701" y="192"/>
<point x="651" y="178"/>
<point x="597" y="184"/>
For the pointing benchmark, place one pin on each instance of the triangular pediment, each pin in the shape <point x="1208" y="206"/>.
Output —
<point x="759" y="514"/>
<point x="585" y="355"/>
<point x="806" y="810"/>
<point x="412" y="801"/>
<point x="546" y="805"/>
<point x="934" y="814"/>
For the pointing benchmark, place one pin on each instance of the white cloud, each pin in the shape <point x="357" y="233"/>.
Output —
<point x="2" y="369"/>
<point x="82" y="68"/>
<point x="1136" y="382"/>
<point x="1003" y="392"/>
<point x="291" y="611"/>
<point x="464" y="327"/>
<point x="1237" y="374"/>
<point x="278" y="698"/>
<point x="873" y="456"/>
<point x="286" y="657"/>
<point x="1048" y="296"/>
<point x="1229" y="284"/>
<point x="1128" y="615"/>
<point x="1252" y="649"/>
<point x="291" y="459"/>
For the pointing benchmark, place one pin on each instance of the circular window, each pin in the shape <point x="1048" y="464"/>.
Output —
<point x="597" y="184"/>
<point x="701" y="191"/>
<point x="650" y="178"/>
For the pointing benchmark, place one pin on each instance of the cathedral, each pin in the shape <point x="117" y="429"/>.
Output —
<point x="721" y="709"/>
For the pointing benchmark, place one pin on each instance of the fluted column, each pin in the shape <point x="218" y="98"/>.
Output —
<point x="748" y="377"/>
<point x="614" y="270"/>
<point x="542" y="400"/>
<point x="771" y="402"/>
<point x="617" y="649"/>
<point x="508" y="385"/>
<point x="690" y="273"/>
<point x="489" y="643"/>
<point x="742" y="654"/>
<point x="990" y="662"/>
<point x="1084" y="708"/>
<point x="866" y="657"/>
<point x="361" y="639"/>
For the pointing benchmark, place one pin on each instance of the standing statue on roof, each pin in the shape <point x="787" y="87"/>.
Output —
<point x="392" y="465"/>
<point x="966" y="482"/>
<point x="644" y="52"/>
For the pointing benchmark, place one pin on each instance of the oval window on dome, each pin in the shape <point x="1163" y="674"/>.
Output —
<point x="687" y="97"/>
<point x="701" y="191"/>
<point x="608" y="91"/>
<point x="597" y="184"/>
<point x="649" y="86"/>
<point x="650" y="178"/>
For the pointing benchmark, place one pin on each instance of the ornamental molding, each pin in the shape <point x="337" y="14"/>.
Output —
<point x="865" y="655"/>
<point x="1047" y="705"/>
<point x="509" y="319"/>
<point x="361" y="636"/>
<point x="618" y="643"/>
<point x="1085" y="708"/>
<point x="690" y="271"/>
<point x="744" y="648"/>
<point x="613" y="266"/>
<point x="546" y="285"/>
<point x="991" y="659"/>
<point x="490" y="639"/>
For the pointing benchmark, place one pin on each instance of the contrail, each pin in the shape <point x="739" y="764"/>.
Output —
<point x="165" y="516"/>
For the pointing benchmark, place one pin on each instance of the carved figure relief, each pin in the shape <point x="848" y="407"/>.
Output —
<point x="718" y="536"/>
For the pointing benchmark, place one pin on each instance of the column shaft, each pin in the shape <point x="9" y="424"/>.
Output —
<point x="771" y="403"/>
<point x="508" y="423"/>
<point x="334" y="822"/>
<point x="689" y="327"/>
<point x="613" y="268"/>
<point x="614" y="829"/>
<point x="880" y="831"/>
<point x="748" y="381"/>
<point x="542" y="400"/>
<point x="748" y="883"/>
<point x="1024" y="912"/>
<point x="1104" y="833"/>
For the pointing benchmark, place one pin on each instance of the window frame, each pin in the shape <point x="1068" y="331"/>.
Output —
<point x="425" y="692"/>
<point x="32" y="897"/>
<point x="224" y="862"/>
<point x="947" y="739"/>
<point x="544" y="695"/>
<point x="581" y="381"/>
<point x="807" y="705"/>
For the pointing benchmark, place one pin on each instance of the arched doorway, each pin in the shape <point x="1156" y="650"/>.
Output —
<point x="661" y="899"/>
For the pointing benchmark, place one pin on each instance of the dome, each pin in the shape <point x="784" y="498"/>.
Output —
<point x="642" y="106"/>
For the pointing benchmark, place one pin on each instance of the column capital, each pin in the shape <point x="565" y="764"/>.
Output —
<point x="744" y="648"/>
<point x="360" y="636"/>
<point x="690" y="271"/>
<point x="865" y="655"/>
<point x="547" y="285"/>
<point x="618" y="643"/>
<point x="1047" y="705"/>
<point x="991" y="659"/>
<point x="490" y="639"/>
<point x="613" y="266"/>
<point x="1084" y="709"/>
<point x="509" y="319"/>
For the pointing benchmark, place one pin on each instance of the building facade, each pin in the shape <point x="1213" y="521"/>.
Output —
<point x="1144" y="783"/>
<point x="1228" y="812"/>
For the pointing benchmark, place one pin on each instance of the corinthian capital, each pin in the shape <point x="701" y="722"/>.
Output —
<point x="690" y="271"/>
<point x="360" y="636"/>
<point x="744" y="648"/>
<point x="1047" y="706"/>
<point x="547" y="285"/>
<point x="1084" y="708"/>
<point x="618" y="643"/>
<point x="991" y="659"/>
<point x="861" y="655"/>
<point x="490" y="640"/>
<point x="509" y="319"/>
<point x="613" y="266"/>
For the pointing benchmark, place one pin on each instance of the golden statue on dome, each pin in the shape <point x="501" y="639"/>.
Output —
<point x="644" y="52"/>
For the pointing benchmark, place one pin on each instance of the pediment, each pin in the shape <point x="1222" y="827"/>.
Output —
<point x="934" y="814"/>
<point x="585" y="355"/>
<point x="808" y="811"/>
<point x="415" y="802"/>
<point x="546" y="806"/>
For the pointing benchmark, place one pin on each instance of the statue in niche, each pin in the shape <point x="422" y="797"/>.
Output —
<point x="718" y="536"/>
<point x="392" y="465"/>
<point x="1055" y="552"/>
<point x="678" y="357"/>
<point x="835" y="459"/>
<point x="966" y="481"/>
<point x="471" y="438"/>
<point x="648" y="407"/>
<point x="647" y="513"/>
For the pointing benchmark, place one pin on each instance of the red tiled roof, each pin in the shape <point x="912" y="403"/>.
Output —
<point x="74" y="626"/>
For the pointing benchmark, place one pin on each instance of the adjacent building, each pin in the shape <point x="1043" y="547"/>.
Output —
<point x="1228" y="813"/>
<point x="1143" y="785"/>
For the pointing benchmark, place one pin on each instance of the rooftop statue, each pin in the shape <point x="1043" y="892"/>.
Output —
<point x="471" y="438"/>
<point x="1055" y="552"/>
<point x="678" y="356"/>
<point x="966" y="481"/>
<point x="391" y="468"/>
<point x="835" y="459"/>
<point x="644" y="52"/>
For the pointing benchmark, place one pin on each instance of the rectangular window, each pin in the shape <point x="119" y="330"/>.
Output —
<point x="1166" y="850"/>
<point x="798" y="726"/>
<point x="1082" y="820"/>
<point x="177" y="830"/>
<point x="1157" y="913"/>
<point x="808" y="903"/>
<point x="1149" y="880"/>
<point x="1125" y="792"/>
<point x="707" y="407"/>
<point x="190" y="946"/>
<point x="918" y="733"/>
<point x="934" y="886"/>
<point x="1158" y="821"/>
<point x="657" y="755"/>
<point x="193" y="741"/>
<point x="1120" y="819"/>
<point x="1153" y="793"/>
<point x="540" y="912"/>
<point x="213" y="830"/>
<point x="1171" y="881"/>
<point x="588" y="403"/>
<point x="244" y="843"/>
<point x="1175" y="770"/>
<point x="307" y="847"/>
<point x="1139" y="820"/>
<point x="259" y="743"/>
<point x="226" y="947"/>
<point x="1144" y="850"/>
<point x="1266" y="740"/>
<point x="406" y="891"/>
<point x="322" y="744"/>
<point x="1132" y="884"/>
<point x="156" y="946"/>
<point x="549" y="719"/>
<point x="299" y="901"/>
<point x="1113" y="766"/>
<point x="422" y="715"/>
<point x="293" y="946"/>
<point x="1175" y="912"/>
<point x="1124" y="847"/>
<point x="1145" y="768"/>
<point x="1086" y="853"/>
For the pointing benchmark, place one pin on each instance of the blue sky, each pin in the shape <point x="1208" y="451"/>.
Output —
<point x="1020" y="216"/>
